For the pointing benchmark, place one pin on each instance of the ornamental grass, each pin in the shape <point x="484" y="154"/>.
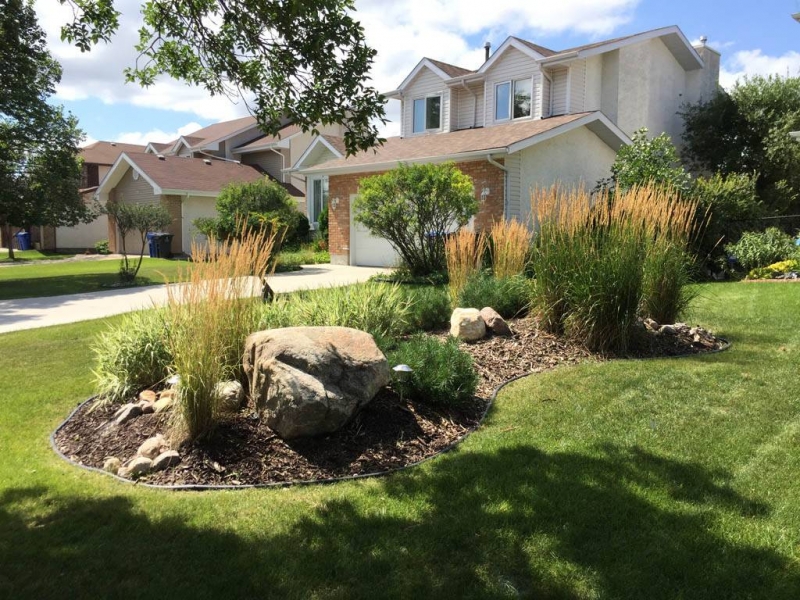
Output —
<point x="509" y="245"/>
<point x="464" y="252"/>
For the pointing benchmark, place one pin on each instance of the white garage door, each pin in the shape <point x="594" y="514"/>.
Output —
<point x="194" y="208"/>
<point x="366" y="250"/>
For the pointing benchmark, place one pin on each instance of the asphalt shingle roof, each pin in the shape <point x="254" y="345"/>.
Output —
<point x="106" y="153"/>
<point x="192" y="174"/>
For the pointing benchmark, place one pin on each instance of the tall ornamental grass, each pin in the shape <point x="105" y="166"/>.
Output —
<point x="601" y="262"/>
<point x="509" y="245"/>
<point x="209" y="317"/>
<point x="464" y="257"/>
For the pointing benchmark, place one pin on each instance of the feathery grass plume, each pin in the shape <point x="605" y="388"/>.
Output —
<point x="210" y="315"/>
<point x="464" y="255"/>
<point x="509" y="245"/>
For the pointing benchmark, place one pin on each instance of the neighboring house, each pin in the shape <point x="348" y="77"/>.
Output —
<point x="529" y="116"/>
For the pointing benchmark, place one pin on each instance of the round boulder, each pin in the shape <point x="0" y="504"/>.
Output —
<point x="308" y="381"/>
<point x="467" y="324"/>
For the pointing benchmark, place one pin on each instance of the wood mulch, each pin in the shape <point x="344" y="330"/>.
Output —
<point x="387" y="434"/>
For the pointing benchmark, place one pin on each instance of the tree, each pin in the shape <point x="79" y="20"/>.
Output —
<point x="648" y="161"/>
<point x="413" y="207"/>
<point x="39" y="165"/>
<point x="140" y="218"/>
<point x="293" y="61"/>
<point x="747" y="130"/>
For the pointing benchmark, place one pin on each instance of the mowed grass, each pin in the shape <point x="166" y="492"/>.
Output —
<point x="675" y="478"/>
<point x="27" y="255"/>
<point x="36" y="281"/>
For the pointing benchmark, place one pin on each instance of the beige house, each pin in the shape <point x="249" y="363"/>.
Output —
<point x="528" y="116"/>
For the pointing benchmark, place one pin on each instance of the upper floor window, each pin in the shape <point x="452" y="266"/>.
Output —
<point x="513" y="99"/>
<point x="427" y="113"/>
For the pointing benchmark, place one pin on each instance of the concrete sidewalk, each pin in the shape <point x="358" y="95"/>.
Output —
<point x="29" y="313"/>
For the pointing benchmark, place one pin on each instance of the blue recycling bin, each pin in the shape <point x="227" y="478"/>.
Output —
<point x="152" y="244"/>
<point x="23" y="240"/>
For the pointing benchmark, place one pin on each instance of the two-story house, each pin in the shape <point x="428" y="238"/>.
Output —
<point x="529" y="116"/>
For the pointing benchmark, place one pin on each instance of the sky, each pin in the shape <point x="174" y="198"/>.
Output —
<point x="754" y="37"/>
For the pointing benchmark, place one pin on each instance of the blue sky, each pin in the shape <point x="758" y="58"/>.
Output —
<point x="754" y="38"/>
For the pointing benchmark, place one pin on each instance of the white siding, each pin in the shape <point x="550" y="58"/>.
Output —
<point x="426" y="83"/>
<point x="240" y="139"/>
<point x="594" y="83"/>
<point x="545" y="108"/>
<point x="512" y="65"/>
<point x="513" y="207"/>
<point x="268" y="160"/>
<point x="559" y="92"/>
<point x="469" y="115"/>
<point x="577" y="86"/>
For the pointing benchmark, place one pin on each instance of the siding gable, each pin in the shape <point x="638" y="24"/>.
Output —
<point x="512" y="65"/>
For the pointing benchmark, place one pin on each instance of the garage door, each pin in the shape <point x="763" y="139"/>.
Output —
<point x="366" y="250"/>
<point x="195" y="208"/>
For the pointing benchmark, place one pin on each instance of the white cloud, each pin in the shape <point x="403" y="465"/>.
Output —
<point x="156" y="135"/>
<point x="755" y="62"/>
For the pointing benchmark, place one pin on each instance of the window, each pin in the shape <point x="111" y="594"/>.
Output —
<point x="427" y="113"/>
<point x="517" y="104"/>
<point x="318" y="199"/>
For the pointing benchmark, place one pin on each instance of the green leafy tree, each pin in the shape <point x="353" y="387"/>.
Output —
<point x="648" y="161"/>
<point x="139" y="218"/>
<point x="746" y="130"/>
<point x="39" y="166"/>
<point x="300" y="61"/>
<point x="413" y="207"/>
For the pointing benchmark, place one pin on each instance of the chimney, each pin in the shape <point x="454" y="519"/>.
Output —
<point x="487" y="48"/>
<point x="703" y="40"/>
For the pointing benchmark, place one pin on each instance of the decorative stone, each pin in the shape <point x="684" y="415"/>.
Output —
<point x="466" y="324"/>
<point x="668" y="330"/>
<point x="494" y="322"/>
<point x="128" y="412"/>
<point x="147" y="407"/>
<point x="152" y="447"/>
<point x="163" y="403"/>
<point x="112" y="465"/>
<point x="168" y="393"/>
<point x="308" y="381"/>
<point x="651" y="324"/>
<point x="139" y="466"/>
<point x="165" y="460"/>
<point x="230" y="395"/>
<point x="147" y="396"/>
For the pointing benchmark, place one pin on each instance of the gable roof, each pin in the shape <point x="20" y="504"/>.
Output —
<point x="106" y="153"/>
<point x="179" y="175"/>
<point x="465" y="143"/>
<point x="265" y="141"/>
<point x="319" y="146"/>
<point x="450" y="70"/>
<point x="219" y="131"/>
<point x="535" y="47"/>
<point x="159" y="147"/>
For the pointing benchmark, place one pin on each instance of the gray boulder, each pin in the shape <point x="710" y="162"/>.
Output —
<point x="494" y="322"/>
<point x="230" y="395"/>
<point x="467" y="324"/>
<point x="308" y="381"/>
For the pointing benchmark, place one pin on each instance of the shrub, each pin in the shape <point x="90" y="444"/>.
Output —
<point x="381" y="310"/>
<point x="322" y="224"/>
<point x="429" y="307"/>
<point x="596" y="265"/>
<point x="209" y="318"/>
<point x="442" y="372"/>
<point x="140" y="218"/>
<point x="131" y="356"/>
<point x="510" y="243"/>
<point x="297" y="229"/>
<point x="775" y="269"/>
<point x="101" y="247"/>
<point x="464" y="254"/>
<point x="509" y="296"/>
<point x="413" y="206"/>
<point x="760" y="248"/>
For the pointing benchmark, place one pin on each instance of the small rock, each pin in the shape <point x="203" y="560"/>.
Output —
<point x="168" y="393"/>
<point x="147" y="396"/>
<point x="651" y="324"/>
<point x="681" y="327"/>
<point x="112" y="465"/>
<point x="466" y="324"/>
<point x="152" y="447"/>
<point x="129" y="412"/>
<point x="147" y="407"/>
<point x="141" y="465"/>
<point x="163" y="403"/>
<point x="230" y="395"/>
<point x="165" y="460"/>
<point x="668" y="330"/>
<point x="496" y="324"/>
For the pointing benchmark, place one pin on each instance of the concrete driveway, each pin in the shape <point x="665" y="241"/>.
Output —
<point x="29" y="313"/>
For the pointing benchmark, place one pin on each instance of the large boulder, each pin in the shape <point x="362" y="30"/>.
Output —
<point x="467" y="324"/>
<point x="308" y="381"/>
<point x="494" y="322"/>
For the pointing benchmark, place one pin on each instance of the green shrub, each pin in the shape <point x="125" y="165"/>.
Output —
<point x="131" y="356"/>
<point x="380" y="309"/>
<point x="509" y="296"/>
<point x="297" y="229"/>
<point x="429" y="307"/>
<point x="101" y="247"/>
<point x="442" y="372"/>
<point x="403" y="275"/>
<point x="760" y="248"/>
<point x="322" y="224"/>
<point x="665" y="289"/>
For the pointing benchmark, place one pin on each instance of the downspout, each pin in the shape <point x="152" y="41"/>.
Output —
<point x="283" y="161"/>
<point x="474" y="103"/>
<point x="550" y="98"/>
<point x="503" y="168"/>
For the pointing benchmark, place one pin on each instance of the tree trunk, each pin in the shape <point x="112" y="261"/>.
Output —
<point x="7" y="240"/>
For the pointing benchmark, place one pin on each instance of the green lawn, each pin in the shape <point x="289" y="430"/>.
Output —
<point x="26" y="255"/>
<point x="36" y="281"/>
<point x="675" y="478"/>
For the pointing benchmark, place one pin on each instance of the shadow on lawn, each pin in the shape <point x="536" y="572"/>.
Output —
<point x="516" y="523"/>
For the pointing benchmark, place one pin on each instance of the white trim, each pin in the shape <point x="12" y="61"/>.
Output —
<point x="595" y="121"/>
<point x="568" y="100"/>
<point x="317" y="140"/>
<point x="281" y="143"/>
<point x="197" y="193"/>
<point x="510" y="42"/>
<point x="510" y="85"/>
<point x="462" y="157"/>
<point x="424" y="63"/>
<point x="511" y="93"/>
<point x="439" y="95"/>
<point x="106" y="186"/>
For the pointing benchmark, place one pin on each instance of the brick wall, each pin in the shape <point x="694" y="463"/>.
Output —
<point x="484" y="176"/>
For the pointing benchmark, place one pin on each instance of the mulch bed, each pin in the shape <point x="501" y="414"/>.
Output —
<point x="387" y="434"/>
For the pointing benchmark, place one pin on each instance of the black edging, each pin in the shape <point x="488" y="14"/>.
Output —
<point x="278" y="484"/>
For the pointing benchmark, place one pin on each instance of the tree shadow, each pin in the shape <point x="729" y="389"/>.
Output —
<point x="519" y="522"/>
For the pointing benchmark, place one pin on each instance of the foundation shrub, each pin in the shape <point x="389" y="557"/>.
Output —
<point x="442" y="373"/>
<point x="509" y="296"/>
<point x="429" y="307"/>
